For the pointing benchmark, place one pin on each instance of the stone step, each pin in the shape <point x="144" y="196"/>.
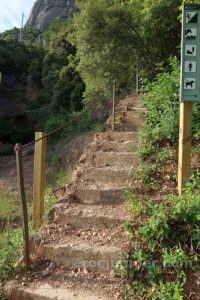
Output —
<point x="130" y="107"/>
<point x="127" y="114"/>
<point x="132" y="115"/>
<point x="115" y="146"/>
<point x="64" y="285"/>
<point x="107" y="175"/>
<point x="136" y="109"/>
<point x="126" y="126"/>
<point x="50" y="292"/>
<point x="99" y="159"/>
<point x="121" y="160"/>
<point x="118" y="136"/>
<point x="97" y="251"/>
<point x="135" y="101"/>
<point x="89" y="216"/>
<point x="99" y="193"/>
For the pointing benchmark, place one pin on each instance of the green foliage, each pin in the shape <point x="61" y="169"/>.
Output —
<point x="47" y="72"/>
<point x="160" y="19"/>
<point x="104" y="33"/>
<point x="161" y="121"/>
<point x="11" y="242"/>
<point x="9" y="207"/>
<point x="113" y="37"/>
<point x="166" y="244"/>
<point x="17" y="56"/>
<point x="62" y="87"/>
<point x="16" y="130"/>
<point x="55" y="184"/>
<point x="29" y="35"/>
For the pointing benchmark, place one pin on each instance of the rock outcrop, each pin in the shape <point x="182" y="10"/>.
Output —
<point x="45" y="11"/>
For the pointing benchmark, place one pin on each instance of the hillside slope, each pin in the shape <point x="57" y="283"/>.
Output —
<point x="83" y="240"/>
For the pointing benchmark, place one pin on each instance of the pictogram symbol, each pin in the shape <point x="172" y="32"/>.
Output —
<point x="191" y="17"/>
<point x="190" y="34"/>
<point x="190" y="66"/>
<point x="189" y="83"/>
<point x="190" y="50"/>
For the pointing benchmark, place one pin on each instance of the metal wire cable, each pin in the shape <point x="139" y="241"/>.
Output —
<point x="36" y="110"/>
<point x="65" y="124"/>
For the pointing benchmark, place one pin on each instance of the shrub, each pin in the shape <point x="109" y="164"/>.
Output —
<point x="161" y="121"/>
<point x="161" y="98"/>
<point x="166" y="245"/>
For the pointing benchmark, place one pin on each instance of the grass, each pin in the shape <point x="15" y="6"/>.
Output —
<point x="165" y="257"/>
<point x="54" y="184"/>
<point x="11" y="238"/>
<point x="11" y="244"/>
<point x="9" y="204"/>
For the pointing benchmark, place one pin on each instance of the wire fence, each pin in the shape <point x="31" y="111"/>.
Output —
<point x="36" y="110"/>
<point x="39" y="168"/>
<point x="93" y="105"/>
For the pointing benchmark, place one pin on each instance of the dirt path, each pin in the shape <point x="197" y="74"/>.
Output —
<point x="83" y="236"/>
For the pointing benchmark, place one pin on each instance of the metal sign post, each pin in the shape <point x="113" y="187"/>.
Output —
<point x="113" y="110"/>
<point x="137" y="80"/>
<point x="190" y="87"/>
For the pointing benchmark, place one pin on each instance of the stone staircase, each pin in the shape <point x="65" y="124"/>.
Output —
<point x="84" y="239"/>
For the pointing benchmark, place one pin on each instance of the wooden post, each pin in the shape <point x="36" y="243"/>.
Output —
<point x="185" y="141"/>
<point x="21" y="190"/>
<point x="113" y="111"/>
<point x="39" y="179"/>
<point x="137" y="81"/>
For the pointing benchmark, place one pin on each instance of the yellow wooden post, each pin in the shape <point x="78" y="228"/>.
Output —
<point x="185" y="141"/>
<point x="39" y="179"/>
<point x="114" y="100"/>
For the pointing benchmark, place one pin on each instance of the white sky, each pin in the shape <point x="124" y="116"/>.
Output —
<point x="11" y="13"/>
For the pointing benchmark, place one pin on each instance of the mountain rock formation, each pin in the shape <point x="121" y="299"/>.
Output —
<point x="45" y="11"/>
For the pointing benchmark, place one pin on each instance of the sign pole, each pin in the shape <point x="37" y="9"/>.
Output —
<point x="185" y="141"/>
<point x="114" y="100"/>
<point x="137" y="80"/>
<point x="189" y="87"/>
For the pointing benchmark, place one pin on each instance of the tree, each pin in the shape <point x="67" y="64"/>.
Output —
<point x="107" y="37"/>
<point x="112" y="37"/>
<point x="161" y="31"/>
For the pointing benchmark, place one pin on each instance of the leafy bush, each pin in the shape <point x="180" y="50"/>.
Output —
<point x="9" y="207"/>
<point x="166" y="245"/>
<point x="16" y="131"/>
<point x="11" y="243"/>
<point x="161" y="121"/>
<point x="161" y="98"/>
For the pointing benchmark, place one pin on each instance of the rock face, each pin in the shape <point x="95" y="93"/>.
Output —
<point x="45" y="11"/>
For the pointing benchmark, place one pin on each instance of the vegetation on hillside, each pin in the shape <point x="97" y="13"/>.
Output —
<point x="106" y="40"/>
<point x="44" y="70"/>
<point x="164" y="260"/>
<point x="77" y="60"/>
<point x="114" y="37"/>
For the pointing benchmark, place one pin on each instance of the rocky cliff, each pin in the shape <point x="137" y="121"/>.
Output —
<point x="45" y="11"/>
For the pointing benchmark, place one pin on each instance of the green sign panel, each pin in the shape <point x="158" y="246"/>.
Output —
<point x="190" y="64"/>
